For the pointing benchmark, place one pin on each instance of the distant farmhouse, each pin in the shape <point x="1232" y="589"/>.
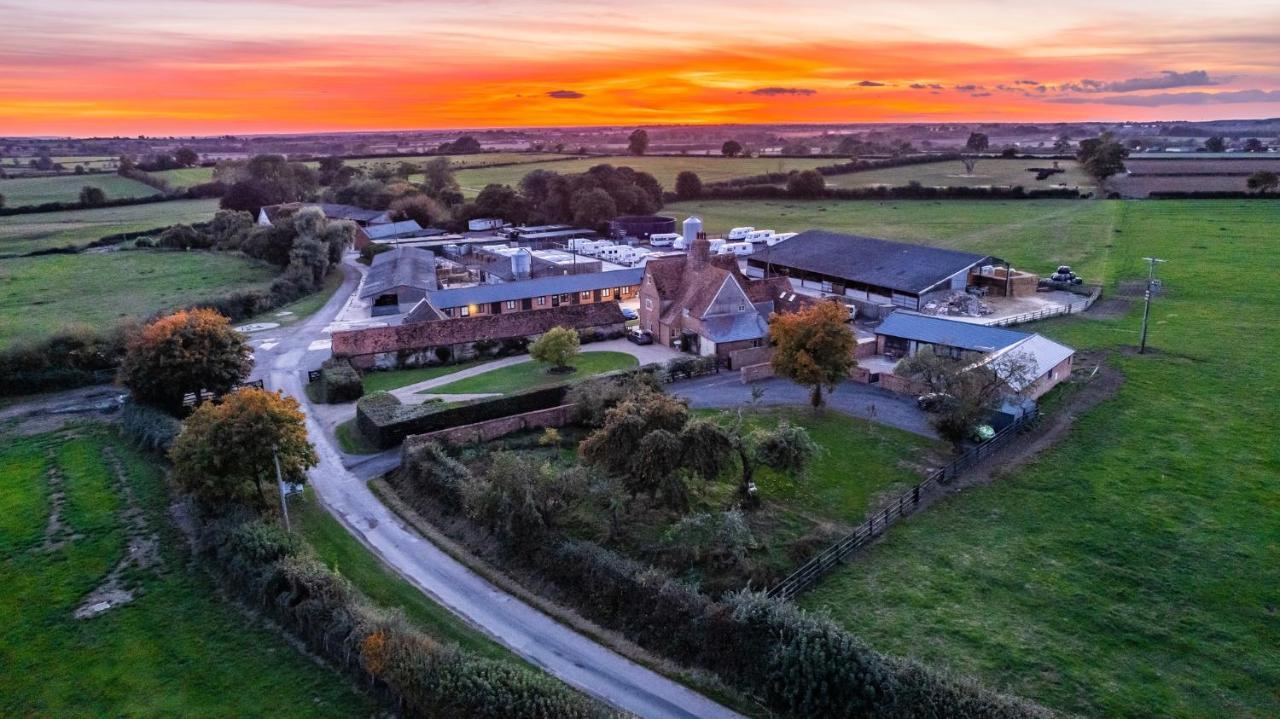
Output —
<point x="874" y="272"/>
<point x="704" y="304"/>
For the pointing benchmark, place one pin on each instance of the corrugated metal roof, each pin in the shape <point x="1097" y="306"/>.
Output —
<point x="395" y="229"/>
<point x="537" y="287"/>
<point x="401" y="267"/>
<point x="881" y="263"/>
<point x="949" y="333"/>
<point x="1042" y="353"/>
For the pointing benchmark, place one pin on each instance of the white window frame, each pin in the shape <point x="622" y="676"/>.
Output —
<point x="511" y="304"/>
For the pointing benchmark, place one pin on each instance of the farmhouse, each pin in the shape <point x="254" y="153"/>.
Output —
<point x="903" y="334"/>
<point x="703" y="303"/>
<point x="270" y="214"/>
<point x="399" y="279"/>
<point x="871" y="271"/>
<point x="542" y="293"/>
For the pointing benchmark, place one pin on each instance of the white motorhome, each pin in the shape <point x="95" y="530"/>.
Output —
<point x="717" y="247"/>
<point x="579" y="244"/>
<point x="779" y="238"/>
<point x="680" y="244"/>
<point x="740" y="233"/>
<point x="741" y="249"/>
<point x="665" y="239"/>
<point x="759" y="236"/>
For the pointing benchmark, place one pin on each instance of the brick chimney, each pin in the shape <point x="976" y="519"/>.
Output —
<point x="699" y="253"/>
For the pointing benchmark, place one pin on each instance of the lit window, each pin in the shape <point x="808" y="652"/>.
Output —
<point x="606" y="292"/>
<point x="542" y="301"/>
<point x="586" y="294"/>
<point x="465" y="311"/>
<point x="511" y="304"/>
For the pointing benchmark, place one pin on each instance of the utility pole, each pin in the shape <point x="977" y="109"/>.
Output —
<point x="284" y="507"/>
<point x="1146" y="310"/>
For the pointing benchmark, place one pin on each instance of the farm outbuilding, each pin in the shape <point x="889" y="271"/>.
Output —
<point x="399" y="279"/>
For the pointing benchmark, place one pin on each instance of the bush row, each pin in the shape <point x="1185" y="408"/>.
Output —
<point x="422" y="676"/>
<point x="903" y="192"/>
<point x="149" y="428"/>
<point x="385" y="422"/>
<point x="844" y="168"/>
<point x="1209" y="195"/>
<point x="195" y="192"/>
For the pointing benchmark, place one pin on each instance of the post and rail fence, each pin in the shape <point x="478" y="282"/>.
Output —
<point x="820" y="564"/>
<point x="1067" y="309"/>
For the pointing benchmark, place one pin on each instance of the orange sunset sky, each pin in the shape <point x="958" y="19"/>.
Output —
<point x="97" y="67"/>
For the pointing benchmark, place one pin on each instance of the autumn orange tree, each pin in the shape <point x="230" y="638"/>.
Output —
<point x="224" y="455"/>
<point x="814" y="347"/>
<point x="186" y="351"/>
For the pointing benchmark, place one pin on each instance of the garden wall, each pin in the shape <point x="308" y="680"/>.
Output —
<point x="500" y="427"/>
<point x="386" y="422"/>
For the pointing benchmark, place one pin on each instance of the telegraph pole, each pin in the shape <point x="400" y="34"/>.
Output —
<point x="1146" y="310"/>
<point x="284" y="506"/>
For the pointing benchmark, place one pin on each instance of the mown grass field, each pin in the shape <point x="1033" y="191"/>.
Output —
<point x="176" y="650"/>
<point x="663" y="168"/>
<point x="20" y="191"/>
<point x="39" y="295"/>
<point x="1134" y="569"/>
<point x="952" y="174"/>
<point x="383" y="381"/>
<point x="20" y="234"/>
<point x="528" y="375"/>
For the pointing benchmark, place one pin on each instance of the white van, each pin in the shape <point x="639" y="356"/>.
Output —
<point x="740" y="233"/>
<point x="779" y="238"/>
<point x="679" y="244"/>
<point x="664" y="239"/>
<point x="759" y="236"/>
<point x="741" y="249"/>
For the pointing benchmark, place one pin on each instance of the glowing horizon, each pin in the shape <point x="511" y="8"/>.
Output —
<point x="199" y="67"/>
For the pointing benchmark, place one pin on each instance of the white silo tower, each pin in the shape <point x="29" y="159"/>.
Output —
<point x="692" y="228"/>
<point x="521" y="263"/>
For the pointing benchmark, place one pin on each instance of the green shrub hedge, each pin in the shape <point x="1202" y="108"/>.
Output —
<point x="385" y="422"/>
<point x="148" y="427"/>
<point x="339" y="382"/>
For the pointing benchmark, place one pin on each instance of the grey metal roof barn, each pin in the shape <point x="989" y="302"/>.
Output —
<point x="949" y="333"/>
<point x="897" y="266"/>
<point x="404" y="228"/>
<point x="404" y="269"/>
<point x="537" y="287"/>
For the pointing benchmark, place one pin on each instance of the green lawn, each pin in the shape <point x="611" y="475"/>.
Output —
<point x="185" y="177"/>
<point x="21" y="191"/>
<point x="39" y="295"/>
<point x="176" y="650"/>
<point x="1134" y="569"/>
<point x="664" y="168"/>
<point x="528" y="375"/>
<point x="351" y="440"/>
<point x="1037" y="235"/>
<point x="343" y="553"/>
<point x="952" y="173"/>
<point x="385" y="381"/>
<point x="26" y="233"/>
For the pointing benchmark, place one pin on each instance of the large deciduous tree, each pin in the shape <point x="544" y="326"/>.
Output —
<point x="91" y="196"/>
<point x="594" y="209"/>
<point x="731" y="148"/>
<point x="186" y="351"/>
<point x="1215" y="144"/>
<point x="556" y="347"/>
<point x="688" y="185"/>
<point x="185" y="156"/>
<point x="809" y="184"/>
<point x="226" y="453"/>
<point x="814" y="347"/>
<point x="1102" y="157"/>
<point x="638" y="142"/>
<point x="1263" y="181"/>
<point x="977" y="142"/>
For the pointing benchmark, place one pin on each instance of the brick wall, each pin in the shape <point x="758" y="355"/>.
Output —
<point x="750" y="356"/>
<point x="756" y="372"/>
<point x="894" y="383"/>
<point x="500" y="427"/>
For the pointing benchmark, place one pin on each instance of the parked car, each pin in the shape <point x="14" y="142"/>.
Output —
<point x="983" y="432"/>
<point x="640" y="337"/>
<point x="934" y="401"/>
<point x="630" y="313"/>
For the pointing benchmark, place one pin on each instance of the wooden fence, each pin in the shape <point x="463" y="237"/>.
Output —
<point x="818" y="566"/>
<point x="1072" y="308"/>
<point x="190" y="399"/>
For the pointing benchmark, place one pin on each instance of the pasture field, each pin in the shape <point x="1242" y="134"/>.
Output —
<point x="664" y="168"/>
<point x="176" y="649"/>
<point x="40" y="295"/>
<point x="22" y="191"/>
<point x="20" y="234"/>
<point x="988" y="172"/>
<point x="185" y="177"/>
<point x="1132" y="569"/>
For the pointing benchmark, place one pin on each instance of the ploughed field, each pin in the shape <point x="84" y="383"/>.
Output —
<point x="84" y="520"/>
<point x="1193" y="174"/>
<point x="1131" y="570"/>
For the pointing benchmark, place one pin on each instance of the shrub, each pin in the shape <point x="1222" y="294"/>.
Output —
<point x="148" y="427"/>
<point x="428" y="468"/>
<point x="339" y="382"/>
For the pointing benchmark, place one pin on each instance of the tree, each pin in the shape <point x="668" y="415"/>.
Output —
<point x="1253" y="144"/>
<point x="638" y="142"/>
<point x="809" y="184"/>
<point x="187" y="351"/>
<point x="799" y="147"/>
<point x="1263" y="181"/>
<point x="1215" y="144"/>
<point x="92" y="196"/>
<point x="688" y="185"/>
<point x="438" y="177"/>
<point x="969" y="163"/>
<point x="969" y="391"/>
<point x="501" y="201"/>
<point x="640" y="441"/>
<point x="1102" y="157"/>
<point x="422" y="209"/>
<point x="1062" y="145"/>
<point x="556" y="347"/>
<point x="593" y="209"/>
<point x="731" y="148"/>
<point x="977" y="142"/>
<point x="709" y="447"/>
<point x="520" y="498"/>
<point x="814" y="347"/>
<point x="186" y="157"/>
<point x="227" y="451"/>
<point x="465" y="145"/>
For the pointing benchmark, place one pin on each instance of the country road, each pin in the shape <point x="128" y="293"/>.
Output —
<point x="282" y="357"/>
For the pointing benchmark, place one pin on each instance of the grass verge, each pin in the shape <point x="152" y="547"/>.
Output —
<point x="528" y="375"/>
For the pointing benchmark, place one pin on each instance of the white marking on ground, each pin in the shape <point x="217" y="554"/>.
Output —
<point x="257" y="326"/>
<point x="319" y="345"/>
<point x="269" y="345"/>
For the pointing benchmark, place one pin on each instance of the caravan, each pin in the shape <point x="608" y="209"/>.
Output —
<point x="664" y="239"/>
<point x="759" y="236"/>
<point x="738" y="234"/>
<point x="740" y="249"/>
<point x="779" y="238"/>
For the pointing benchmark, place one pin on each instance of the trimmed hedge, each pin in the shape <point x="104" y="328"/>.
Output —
<point x="903" y="192"/>
<point x="423" y="677"/>
<point x="1209" y="195"/>
<point x="385" y="421"/>
<point x="339" y="382"/>
<point x="148" y="427"/>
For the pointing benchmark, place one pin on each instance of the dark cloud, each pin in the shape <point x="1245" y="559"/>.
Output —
<point x="968" y="88"/>
<point x="773" y="91"/>
<point x="1177" y="98"/>
<point x="565" y="95"/>
<point x="1026" y="82"/>
<point x="871" y="83"/>
<point x="980" y="94"/>
<point x="1168" y="79"/>
<point x="923" y="86"/>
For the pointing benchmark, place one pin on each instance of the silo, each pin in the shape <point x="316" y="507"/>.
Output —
<point x="521" y="263"/>
<point x="692" y="228"/>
